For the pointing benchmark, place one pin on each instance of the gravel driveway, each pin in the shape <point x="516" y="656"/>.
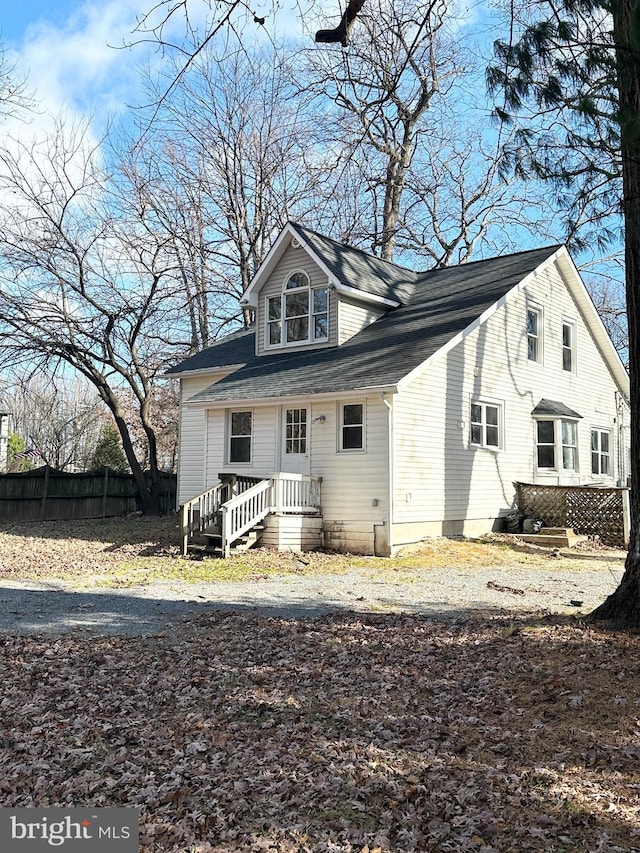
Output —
<point x="445" y="593"/>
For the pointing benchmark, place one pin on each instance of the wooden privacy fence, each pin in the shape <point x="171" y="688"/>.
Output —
<point x="46" y="494"/>
<point x="588" y="510"/>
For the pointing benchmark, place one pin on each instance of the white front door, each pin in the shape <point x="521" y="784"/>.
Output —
<point x="295" y="441"/>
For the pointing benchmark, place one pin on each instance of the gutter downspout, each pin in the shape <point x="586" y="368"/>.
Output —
<point x="390" y="472"/>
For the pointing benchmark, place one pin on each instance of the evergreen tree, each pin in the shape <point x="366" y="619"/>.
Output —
<point x="109" y="452"/>
<point x="16" y="444"/>
<point x="578" y="63"/>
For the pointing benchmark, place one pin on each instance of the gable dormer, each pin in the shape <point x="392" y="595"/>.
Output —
<point x="309" y="294"/>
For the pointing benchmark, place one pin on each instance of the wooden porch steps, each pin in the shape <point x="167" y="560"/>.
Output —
<point x="554" y="537"/>
<point x="209" y="542"/>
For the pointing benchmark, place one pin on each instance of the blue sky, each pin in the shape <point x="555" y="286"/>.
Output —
<point x="67" y="48"/>
<point x="64" y="48"/>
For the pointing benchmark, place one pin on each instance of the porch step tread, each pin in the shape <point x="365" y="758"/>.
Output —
<point x="554" y="537"/>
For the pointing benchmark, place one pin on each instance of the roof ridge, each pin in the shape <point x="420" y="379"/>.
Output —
<point x="351" y="248"/>
<point x="553" y="247"/>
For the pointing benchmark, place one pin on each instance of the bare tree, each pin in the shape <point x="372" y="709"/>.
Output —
<point x="434" y="187"/>
<point x="15" y="97"/>
<point x="238" y="145"/>
<point x="61" y="419"/>
<point x="84" y="283"/>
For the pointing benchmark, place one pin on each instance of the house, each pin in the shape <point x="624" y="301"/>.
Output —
<point x="398" y="405"/>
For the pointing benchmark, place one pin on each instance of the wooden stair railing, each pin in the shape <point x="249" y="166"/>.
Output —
<point x="201" y="512"/>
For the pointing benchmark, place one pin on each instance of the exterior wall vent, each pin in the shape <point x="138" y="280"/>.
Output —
<point x="295" y="243"/>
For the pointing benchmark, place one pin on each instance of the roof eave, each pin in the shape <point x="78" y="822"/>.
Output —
<point x="319" y="396"/>
<point x="203" y="371"/>
<point x="364" y="296"/>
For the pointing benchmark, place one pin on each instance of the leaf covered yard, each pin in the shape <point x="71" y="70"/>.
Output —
<point x="379" y="733"/>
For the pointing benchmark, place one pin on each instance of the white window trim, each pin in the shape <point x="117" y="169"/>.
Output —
<point x="311" y="314"/>
<point x="558" y="467"/>
<point x="496" y="404"/>
<point x="600" y="431"/>
<point x="231" y="412"/>
<point x="566" y="321"/>
<point x="340" y="422"/>
<point x="532" y="306"/>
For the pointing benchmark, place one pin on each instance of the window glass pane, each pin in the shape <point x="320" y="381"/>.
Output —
<point x="604" y="442"/>
<point x="476" y="434"/>
<point x="352" y="437"/>
<point x="545" y="432"/>
<point x="275" y="333"/>
<point x="476" y="413"/>
<point x="298" y="330"/>
<point x="546" y="456"/>
<point x="532" y="322"/>
<point x="492" y="436"/>
<point x="298" y="279"/>
<point x="241" y="423"/>
<point x="492" y="415"/>
<point x="569" y="458"/>
<point x="275" y="308"/>
<point x="296" y="304"/>
<point x="319" y="301"/>
<point x="595" y="463"/>
<point x="320" y="327"/>
<point x="566" y="335"/>
<point x="240" y="450"/>
<point x="568" y="432"/>
<point x="352" y="414"/>
<point x="594" y="439"/>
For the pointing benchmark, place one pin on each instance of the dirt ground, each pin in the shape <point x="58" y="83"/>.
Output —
<point x="137" y="549"/>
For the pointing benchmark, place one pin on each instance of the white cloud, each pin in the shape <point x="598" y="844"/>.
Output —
<point x="73" y="65"/>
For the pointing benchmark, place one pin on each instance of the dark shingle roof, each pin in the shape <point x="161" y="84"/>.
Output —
<point x="555" y="409"/>
<point x="437" y="306"/>
<point x="355" y="268"/>
<point x="232" y="350"/>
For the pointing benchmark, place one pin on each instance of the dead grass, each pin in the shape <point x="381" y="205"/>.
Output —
<point x="137" y="550"/>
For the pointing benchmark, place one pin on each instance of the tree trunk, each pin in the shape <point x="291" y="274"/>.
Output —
<point x="148" y="492"/>
<point x="622" y="607"/>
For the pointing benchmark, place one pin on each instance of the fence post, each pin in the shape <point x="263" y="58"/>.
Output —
<point x="45" y="490"/>
<point x="626" y="516"/>
<point x="104" y="492"/>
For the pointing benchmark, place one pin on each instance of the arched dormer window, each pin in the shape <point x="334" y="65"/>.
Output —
<point x="299" y="314"/>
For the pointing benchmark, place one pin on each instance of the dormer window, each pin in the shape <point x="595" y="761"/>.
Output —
<point x="299" y="314"/>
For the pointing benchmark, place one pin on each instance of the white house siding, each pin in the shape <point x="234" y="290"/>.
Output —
<point x="353" y="317"/>
<point x="352" y="482"/>
<point x="292" y="261"/>
<point x="444" y="486"/>
<point x="191" y="452"/>
<point x="263" y="446"/>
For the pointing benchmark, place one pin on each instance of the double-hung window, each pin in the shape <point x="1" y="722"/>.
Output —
<point x="534" y="334"/>
<point x="299" y="314"/>
<point x="352" y="426"/>
<point x="568" y="346"/>
<point x="240" y="431"/>
<point x="601" y="452"/>
<point x="485" y="424"/>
